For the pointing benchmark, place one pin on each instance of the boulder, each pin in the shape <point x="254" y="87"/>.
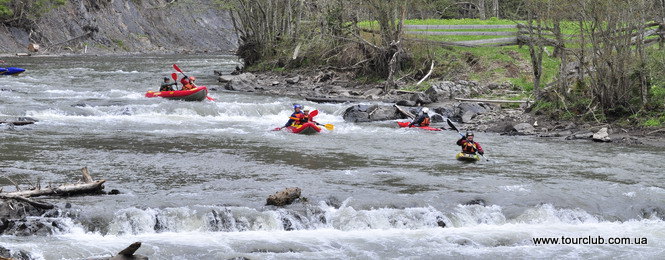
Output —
<point x="365" y="113"/>
<point x="524" y="128"/>
<point x="436" y="118"/>
<point x="601" y="136"/>
<point x="447" y="112"/>
<point x="406" y="103"/>
<point x="381" y="113"/>
<point x="373" y="92"/>
<point x="468" y="116"/>
<point x="285" y="197"/>
<point x="11" y="254"/>
<point x="421" y="98"/>
<point x="245" y="82"/>
<point x="439" y="91"/>
<point x="293" y="80"/>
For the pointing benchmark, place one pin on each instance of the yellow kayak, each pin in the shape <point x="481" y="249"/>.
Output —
<point x="467" y="157"/>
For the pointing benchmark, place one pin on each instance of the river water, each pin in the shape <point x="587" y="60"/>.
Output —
<point x="194" y="176"/>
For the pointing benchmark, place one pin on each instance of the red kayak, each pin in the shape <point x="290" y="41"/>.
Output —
<point x="308" y="128"/>
<point x="196" y="94"/>
<point x="406" y="124"/>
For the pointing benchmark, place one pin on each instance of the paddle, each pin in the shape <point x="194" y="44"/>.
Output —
<point x="179" y="70"/>
<point x="329" y="127"/>
<point x="175" y="78"/>
<point x="450" y="123"/>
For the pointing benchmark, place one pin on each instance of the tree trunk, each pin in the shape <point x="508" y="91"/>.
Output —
<point x="481" y="10"/>
<point x="89" y="186"/>
<point x="495" y="8"/>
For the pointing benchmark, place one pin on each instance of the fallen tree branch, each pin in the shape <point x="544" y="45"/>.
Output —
<point x="63" y="190"/>
<point x="431" y="68"/>
<point x="36" y="204"/>
<point x="405" y="112"/>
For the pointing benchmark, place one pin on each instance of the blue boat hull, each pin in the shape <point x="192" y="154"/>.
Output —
<point x="11" y="71"/>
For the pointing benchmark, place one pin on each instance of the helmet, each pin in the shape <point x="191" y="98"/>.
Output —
<point x="166" y="78"/>
<point x="425" y="110"/>
<point x="297" y="106"/>
<point x="469" y="133"/>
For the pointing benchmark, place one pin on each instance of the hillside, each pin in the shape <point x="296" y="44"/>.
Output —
<point x="125" y="26"/>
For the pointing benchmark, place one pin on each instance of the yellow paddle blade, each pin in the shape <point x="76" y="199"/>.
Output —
<point x="330" y="127"/>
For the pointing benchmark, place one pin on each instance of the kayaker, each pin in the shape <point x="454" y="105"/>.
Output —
<point x="468" y="145"/>
<point x="304" y="118"/>
<point x="190" y="84"/>
<point x="423" y="119"/>
<point x="184" y="80"/>
<point x="294" y="119"/>
<point x="167" y="85"/>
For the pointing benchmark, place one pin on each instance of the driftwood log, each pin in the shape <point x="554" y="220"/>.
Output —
<point x="332" y="100"/>
<point x="17" y="122"/>
<point x="88" y="186"/>
<point x="36" y="204"/>
<point x="405" y="112"/>
<point x="285" y="197"/>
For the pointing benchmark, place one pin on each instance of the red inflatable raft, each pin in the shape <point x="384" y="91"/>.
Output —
<point x="196" y="94"/>
<point x="308" y="128"/>
<point x="406" y="124"/>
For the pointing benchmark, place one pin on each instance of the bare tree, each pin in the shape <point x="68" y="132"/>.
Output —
<point x="481" y="10"/>
<point x="495" y="8"/>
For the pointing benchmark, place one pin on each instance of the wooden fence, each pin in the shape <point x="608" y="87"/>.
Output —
<point x="518" y="36"/>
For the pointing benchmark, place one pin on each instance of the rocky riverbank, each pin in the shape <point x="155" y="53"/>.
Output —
<point x="375" y="102"/>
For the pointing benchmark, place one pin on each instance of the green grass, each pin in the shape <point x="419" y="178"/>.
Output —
<point x="492" y="21"/>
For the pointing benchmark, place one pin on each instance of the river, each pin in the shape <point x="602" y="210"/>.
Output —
<point x="194" y="176"/>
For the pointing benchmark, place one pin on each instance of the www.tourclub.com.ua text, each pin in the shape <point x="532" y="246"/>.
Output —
<point x="563" y="240"/>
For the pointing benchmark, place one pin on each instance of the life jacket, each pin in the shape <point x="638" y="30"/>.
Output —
<point x="188" y="86"/>
<point x="469" y="147"/>
<point x="304" y="118"/>
<point x="298" y="119"/>
<point x="425" y="122"/>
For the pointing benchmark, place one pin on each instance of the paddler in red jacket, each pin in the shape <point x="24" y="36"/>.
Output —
<point x="190" y="83"/>
<point x="294" y="119"/>
<point x="468" y="145"/>
<point x="304" y="118"/>
<point x="422" y="120"/>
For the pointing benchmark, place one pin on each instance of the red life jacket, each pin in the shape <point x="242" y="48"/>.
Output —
<point x="469" y="147"/>
<point x="188" y="87"/>
<point x="425" y="122"/>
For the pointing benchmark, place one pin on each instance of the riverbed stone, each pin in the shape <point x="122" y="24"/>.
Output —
<point x="406" y="103"/>
<point x="421" y="98"/>
<point x="284" y="197"/>
<point x="381" y="113"/>
<point x="601" y="136"/>
<point x="5" y="253"/>
<point x="524" y="128"/>
<point x="373" y="92"/>
<point x="293" y="80"/>
<point x="245" y="82"/>
<point x="468" y="116"/>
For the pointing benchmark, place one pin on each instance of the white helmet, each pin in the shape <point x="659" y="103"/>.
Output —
<point x="425" y="110"/>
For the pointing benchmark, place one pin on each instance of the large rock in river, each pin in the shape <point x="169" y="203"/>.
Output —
<point x="285" y="197"/>
<point x="602" y="136"/>
<point x="245" y="82"/>
<point x="368" y="113"/>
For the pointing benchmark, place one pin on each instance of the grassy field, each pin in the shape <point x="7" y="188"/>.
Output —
<point x="487" y="65"/>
